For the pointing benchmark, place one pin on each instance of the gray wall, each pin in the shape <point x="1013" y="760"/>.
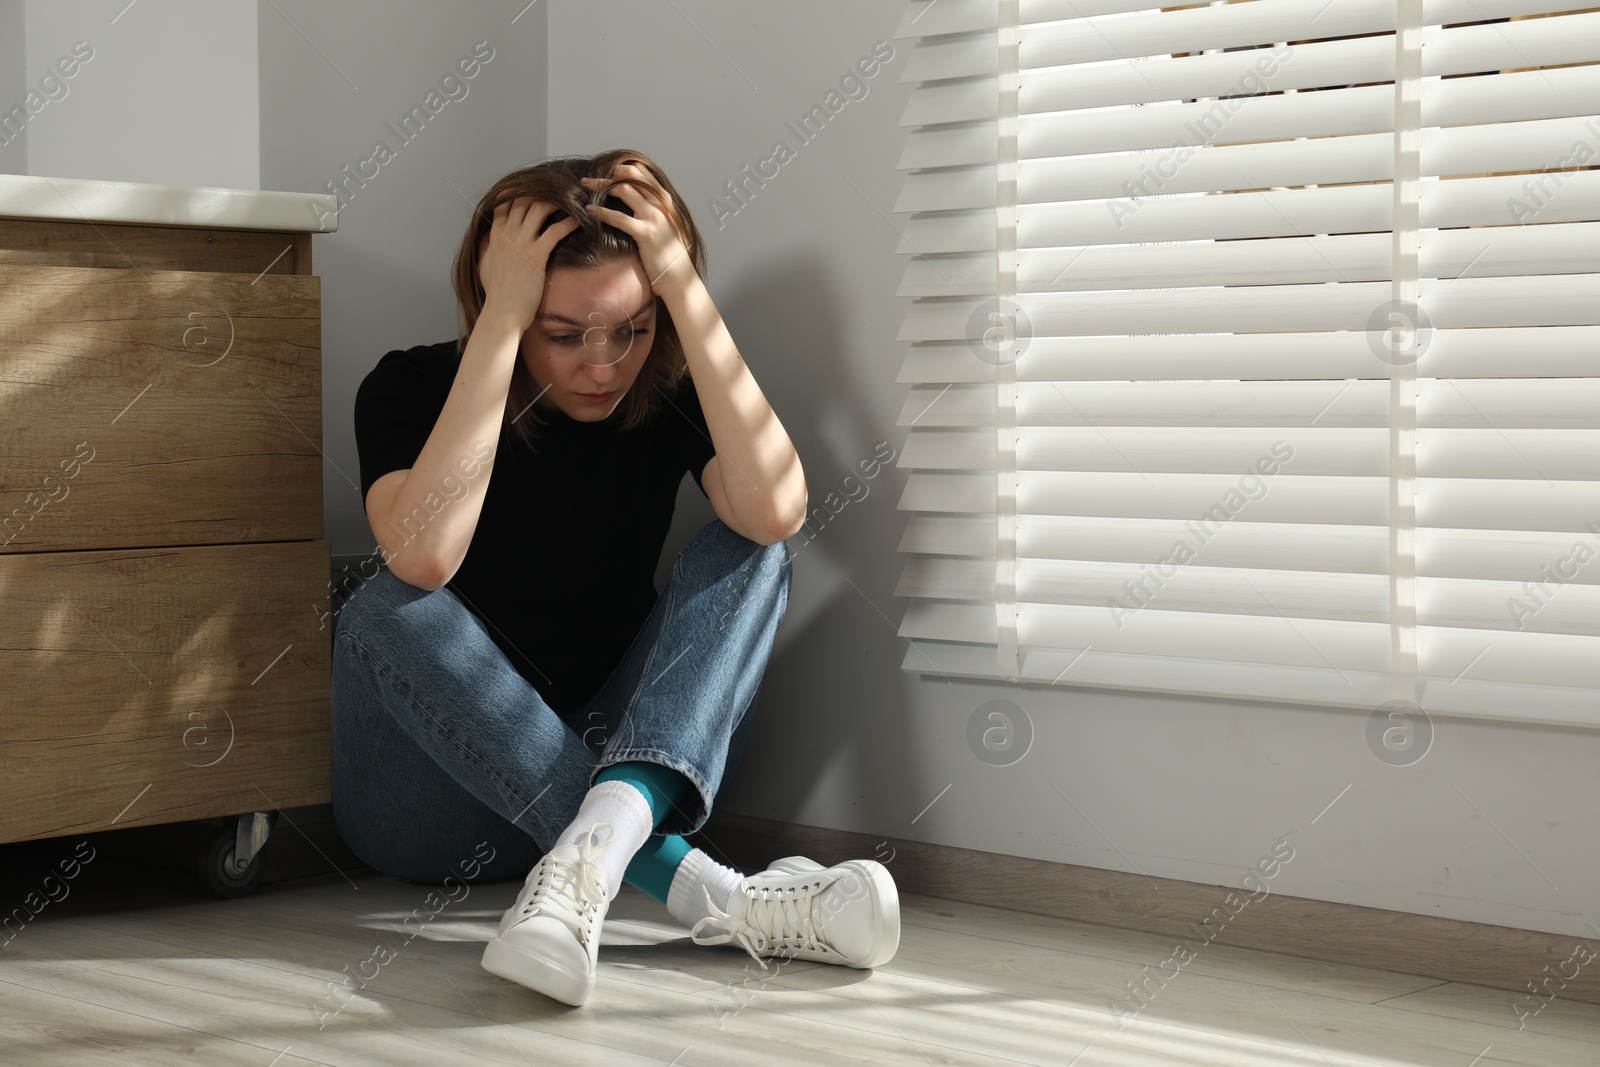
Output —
<point x="13" y="85"/>
<point x="1495" y="824"/>
<point x="386" y="271"/>
<point x="169" y="96"/>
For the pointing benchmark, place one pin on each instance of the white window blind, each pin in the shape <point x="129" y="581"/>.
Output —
<point x="1253" y="350"/>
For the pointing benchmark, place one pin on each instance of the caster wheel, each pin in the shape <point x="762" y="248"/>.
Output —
<point x="217" y="871"/>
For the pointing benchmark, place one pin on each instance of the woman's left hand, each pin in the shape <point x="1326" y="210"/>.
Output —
<point x="661" y="252"/>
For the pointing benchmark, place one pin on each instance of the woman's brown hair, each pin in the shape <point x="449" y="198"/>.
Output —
<point x="592" y="244"/>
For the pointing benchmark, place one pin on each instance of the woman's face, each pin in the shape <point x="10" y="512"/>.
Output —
<point x="593" y="331"/>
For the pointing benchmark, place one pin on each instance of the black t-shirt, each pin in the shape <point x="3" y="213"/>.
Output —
<point x="562" y="562"/>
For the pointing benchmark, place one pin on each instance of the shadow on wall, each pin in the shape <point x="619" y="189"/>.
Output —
<point x="842" y="616"/>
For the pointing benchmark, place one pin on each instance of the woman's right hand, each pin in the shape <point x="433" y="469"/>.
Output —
<point x="512" y="258"/>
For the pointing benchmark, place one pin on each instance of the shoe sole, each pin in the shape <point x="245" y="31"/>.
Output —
<point x="885" y="901"/>
<point x="537" y="974"/>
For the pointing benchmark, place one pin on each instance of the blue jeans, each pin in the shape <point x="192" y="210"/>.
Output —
<point x="440" y="744"/>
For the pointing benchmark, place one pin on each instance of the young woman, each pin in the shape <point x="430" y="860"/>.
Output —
<point x="512" y="686"/>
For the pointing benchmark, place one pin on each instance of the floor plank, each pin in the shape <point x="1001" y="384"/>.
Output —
<point x="147" y="971"/>
<point x="1454" y="1000"/>
<point x="1143" y="949"/>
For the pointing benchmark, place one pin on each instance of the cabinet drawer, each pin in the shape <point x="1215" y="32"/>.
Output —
<point x="200" y="673"/>
<point x="158" y="408"/>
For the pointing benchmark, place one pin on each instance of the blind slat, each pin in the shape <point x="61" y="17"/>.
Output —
<point x="1560" y="300"/>
<point x="1125" y="590"/>
<point x="1552" y="557"/>
<point x="1490" y="201"/>
<point x="1556" y="41"/>
<point x="1512" y="97"/>
<point x="1557" y="248"/>
<point x="1513" y="146"/>
<point x="1552" y="404"/>
<point x="1442" y="692"/>
<point x="971" y="53"/>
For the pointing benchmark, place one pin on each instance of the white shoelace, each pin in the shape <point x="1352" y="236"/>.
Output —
<point x="571" y="890"/>
<point x="776" y="920"/>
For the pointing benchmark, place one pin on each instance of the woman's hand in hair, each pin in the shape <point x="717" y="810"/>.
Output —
<point x="512" y="258"/>
<point x="661" y="251"/>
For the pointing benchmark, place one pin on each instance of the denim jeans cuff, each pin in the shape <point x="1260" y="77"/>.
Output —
<point x="677" y="822"/>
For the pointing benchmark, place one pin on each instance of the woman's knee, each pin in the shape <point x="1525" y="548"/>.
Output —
<point x="387" y="613"/>
<point x="376" y="599"/>
<point x="726" y="548"/>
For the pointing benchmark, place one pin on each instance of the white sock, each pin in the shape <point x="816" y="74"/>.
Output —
<point x="685" y="900"/>
<point x="628" y="812"/>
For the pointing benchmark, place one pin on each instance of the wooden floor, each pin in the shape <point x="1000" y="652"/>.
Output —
<point x="135" y="966"/>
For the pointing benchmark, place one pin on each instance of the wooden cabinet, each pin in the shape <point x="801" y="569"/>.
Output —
<point x="165" y="644"/>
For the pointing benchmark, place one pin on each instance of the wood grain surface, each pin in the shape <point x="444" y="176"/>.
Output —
<point x="158" y="408"/>
<point x="153" y="685"/>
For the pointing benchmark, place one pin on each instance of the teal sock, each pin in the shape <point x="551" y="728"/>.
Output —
<point x="652" y="868"/>
<point x="662" y="786"/>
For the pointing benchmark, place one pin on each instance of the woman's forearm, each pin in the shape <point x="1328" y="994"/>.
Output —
<point x="757" y="466"/>
<point x="435" y="509"/>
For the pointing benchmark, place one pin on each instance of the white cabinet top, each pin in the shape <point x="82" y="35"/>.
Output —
<point x="25" y="196"/>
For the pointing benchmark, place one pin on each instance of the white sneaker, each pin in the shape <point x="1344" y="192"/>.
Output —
<point x="550" y="938"/>
<point x="798" y="909"/>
